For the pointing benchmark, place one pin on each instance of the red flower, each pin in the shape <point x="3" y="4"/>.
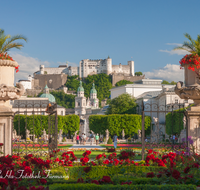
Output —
<point x="87" y="169"/>
<point x="95" y="181"/>
<point x="187" y="169"/>
<point x="176" y="174"/>
<point x="4" y="181"/>
<point x="80" y="180"/>
<point x="150" y="174"/>
<point x="43" y="181"/>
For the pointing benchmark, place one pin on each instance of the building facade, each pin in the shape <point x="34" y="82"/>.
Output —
<point x="139" y="87"/>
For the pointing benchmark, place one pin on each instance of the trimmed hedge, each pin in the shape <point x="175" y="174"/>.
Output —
<point x="68" y="123"/>
<point x="120" y="187"/>
<point x="98" y="172"/>
<point x="115" y="123"/>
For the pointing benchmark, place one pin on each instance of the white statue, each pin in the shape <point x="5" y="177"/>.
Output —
<point x="123" y="134"/>
<point x="14" y="134"/>
<point x="27" y="134"/>
<point x="107" y="135"/>
<point x="60" y="136"/>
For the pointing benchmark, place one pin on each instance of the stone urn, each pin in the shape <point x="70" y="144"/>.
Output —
<point x="7" y="89"/>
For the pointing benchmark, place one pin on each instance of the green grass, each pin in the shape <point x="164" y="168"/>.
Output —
<point x="66" y="146"/>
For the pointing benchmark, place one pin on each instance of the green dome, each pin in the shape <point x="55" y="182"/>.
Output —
<point x="49" y="96"/>
<point x="80" y="88"/>
<point x="93" y="90"/>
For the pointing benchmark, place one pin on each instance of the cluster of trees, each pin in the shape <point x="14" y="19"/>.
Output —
<point x="115" y="123"/>
<point x="65" y="100"/>
<point x="37" y="123"/>
<point x="123" y="104"/>
<point x="166" y="82"/>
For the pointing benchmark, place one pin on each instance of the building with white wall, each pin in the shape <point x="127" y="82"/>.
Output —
<point x="27" y="83"/>
<point x="158" y="103"/>
<point x="97" y="66"/>
<point x="139" y="87"/>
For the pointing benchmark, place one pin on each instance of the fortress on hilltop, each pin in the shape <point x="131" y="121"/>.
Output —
<point x="90" y="67"/>
<point x="56" y="77"/>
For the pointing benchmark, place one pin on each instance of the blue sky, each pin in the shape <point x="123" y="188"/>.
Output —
<point x="63" y="30"/>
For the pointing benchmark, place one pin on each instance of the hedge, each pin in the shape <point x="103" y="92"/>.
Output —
<point x="115" y="123"/>
<point x="68" y="123"/>
<point x="81" y="186"/>
<point x="174" y="122"/>
<point x="119" y="180"/>
<point x="98" y="172"/>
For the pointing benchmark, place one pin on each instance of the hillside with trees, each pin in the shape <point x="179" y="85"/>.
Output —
<point x="102" y="82"/>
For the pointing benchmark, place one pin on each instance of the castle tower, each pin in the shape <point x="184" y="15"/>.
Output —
<point x="93" y="97"/>
<point x="41" y="69"/>
<point x="80" y="101"/>
<point x="131" y="64"/>
<point x="108" y="65"/>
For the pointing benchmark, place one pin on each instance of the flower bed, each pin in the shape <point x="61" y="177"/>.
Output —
<point x="106" y="172"/>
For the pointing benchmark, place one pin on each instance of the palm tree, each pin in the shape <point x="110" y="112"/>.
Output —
<point x="193" y="46"/>
<point x="7" y="42"/>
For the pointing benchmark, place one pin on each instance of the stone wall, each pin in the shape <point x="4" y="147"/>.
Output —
<point x="117" y="77"/>
<point x="53" y="81"/>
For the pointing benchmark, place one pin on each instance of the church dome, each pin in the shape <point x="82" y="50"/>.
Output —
<point x="93" y="90"/>
<point x="80" y="88"/>
<point x="47" y="95"/>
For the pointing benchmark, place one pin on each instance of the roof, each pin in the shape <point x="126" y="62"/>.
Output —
<point x="80" y="88"/>
<point x="49" y="96"/>
<point x="93" y="90"/>
<point x="150" y="94"/>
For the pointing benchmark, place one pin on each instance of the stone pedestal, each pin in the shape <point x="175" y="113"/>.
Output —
<point x="193" y="116"/>
<point x="6" y="131"/>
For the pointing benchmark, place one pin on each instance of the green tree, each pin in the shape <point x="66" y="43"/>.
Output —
<point x="72" y="82"/>
<point x="165" y="82"/>
<point x="65" y="100"/>
<point x="123" y="82"/>
<point x="123" y="104"/>
<point x="192" y="46"/>
<point x="139" y="73"/>
<point x="7" y="42"/>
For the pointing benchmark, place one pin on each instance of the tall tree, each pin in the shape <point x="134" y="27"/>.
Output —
<point x="123" y="104"/>
<point x="192" y="46"/>
<point x="7" y="42"/>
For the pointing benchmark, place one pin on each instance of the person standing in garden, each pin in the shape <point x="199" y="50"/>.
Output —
<point x="77" y="139"/>
<point x="97" y="139"/>
<point x="115" y="141"/>
<point x="91" y="138"/>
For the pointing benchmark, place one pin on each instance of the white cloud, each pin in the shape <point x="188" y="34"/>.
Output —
<point x="27" y="65"/>
<point x="169" y="73"/>
<point x="172" y="52"/>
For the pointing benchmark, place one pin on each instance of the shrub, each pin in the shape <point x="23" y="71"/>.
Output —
<point x="81" y="186"/>
<point x="109" y="141"/>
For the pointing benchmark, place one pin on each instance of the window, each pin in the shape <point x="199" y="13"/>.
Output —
<point x="79" y="104"/>
<point x="176" y="100"/>
<point x="61" y="112"/>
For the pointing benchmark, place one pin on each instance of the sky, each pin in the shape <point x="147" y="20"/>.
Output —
<point x="61" y="31"/>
